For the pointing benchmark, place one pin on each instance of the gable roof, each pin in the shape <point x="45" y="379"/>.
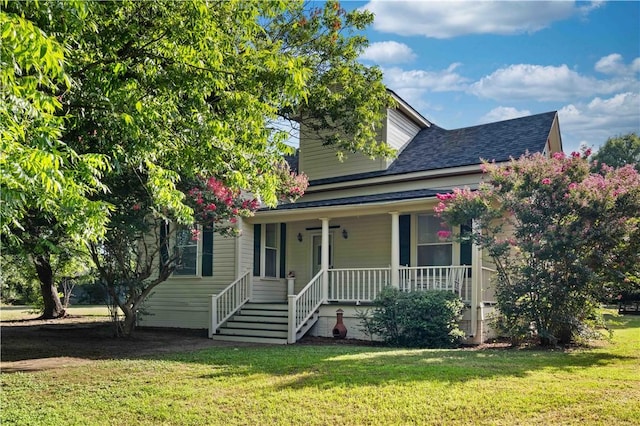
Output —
<point x="435" y="148"/>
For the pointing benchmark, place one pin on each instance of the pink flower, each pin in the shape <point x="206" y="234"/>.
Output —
<point x="195" y="234"/>
<point x="558" y="155"/>
<point x="546" y="181"/>
<point x="572" y="186"/>
<point x="443" y="235"/>
<point x="575" y="154"/>
<point x="440" y="207"/>
<point x="136" y="207"/>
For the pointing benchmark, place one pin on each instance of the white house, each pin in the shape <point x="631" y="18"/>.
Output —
<point x="362" y="224"/>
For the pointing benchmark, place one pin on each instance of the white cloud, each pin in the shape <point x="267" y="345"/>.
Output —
<point x="593" y="122"/>
<point x="435" y="81"/>
<point x="503" y="113"/>
<point x="389" y="52"/>
<point x="446" y="19"/>
<point x="413" y="85"/>
<point x="546" y="83"/>
<point x="611" y="64"/>
<point x="614" y="65"/>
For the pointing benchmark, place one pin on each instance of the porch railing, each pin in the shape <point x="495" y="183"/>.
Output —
<point x="228" y="301"/>
<point x="449" y="278"/>
<point x="304" y="304"/>
<point x="357" y="285"/>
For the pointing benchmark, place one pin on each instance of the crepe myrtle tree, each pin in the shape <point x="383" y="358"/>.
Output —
<point x="559" y="235"/>
<point x="140" y="251"/>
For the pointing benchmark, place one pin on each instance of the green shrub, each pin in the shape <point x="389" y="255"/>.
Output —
<point x="426" y="319"/>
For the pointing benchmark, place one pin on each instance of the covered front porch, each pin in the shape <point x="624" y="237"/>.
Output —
<point x="303" y="261"/>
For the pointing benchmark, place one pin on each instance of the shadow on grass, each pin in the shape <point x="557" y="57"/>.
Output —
<point x="352" y="366"/>
<point x="302" y="366"/>
<point x="357" y="366"/>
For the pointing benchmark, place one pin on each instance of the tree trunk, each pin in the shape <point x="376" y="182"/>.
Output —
<point x="129" y="324"/>
<point x="52" y="305"/>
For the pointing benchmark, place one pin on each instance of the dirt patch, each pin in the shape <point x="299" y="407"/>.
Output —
<point x="32" y="345"/>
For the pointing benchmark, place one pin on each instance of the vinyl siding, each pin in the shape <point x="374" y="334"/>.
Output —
<point x="400" y="129"/>
<point x="319" y="162"/>
<point x="367" y="246"/>
<point x="184" y="302"/>
<point x="269" y="290"/>
<point x="246" y="251"/>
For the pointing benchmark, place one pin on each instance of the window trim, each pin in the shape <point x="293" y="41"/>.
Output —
<point x="199" y="248"/>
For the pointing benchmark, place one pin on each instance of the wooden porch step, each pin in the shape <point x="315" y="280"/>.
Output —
<point x="261" y="318"/>
<point x="257" y="323"/>
<point x="249" y="339"/>
<point x="263" y="313"/>
<point x="252" y="325"/>
<point x="253" y="332"/>
<point x="267" y="306"/>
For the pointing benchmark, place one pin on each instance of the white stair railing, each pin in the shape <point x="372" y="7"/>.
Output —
<point x="303" y="305"/>
<point x="357" y="284"/>
<point x="228" y="301"/>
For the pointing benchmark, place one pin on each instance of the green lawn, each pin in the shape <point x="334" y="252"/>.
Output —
<point x="13" y="313"/>
<point x="340" y="385"/>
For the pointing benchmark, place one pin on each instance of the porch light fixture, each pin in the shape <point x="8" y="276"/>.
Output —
<point x="299" y="237"/>
<point x="345" y="234"/>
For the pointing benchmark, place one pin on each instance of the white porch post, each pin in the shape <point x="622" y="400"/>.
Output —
<point x="395" y="249"/>
<point x="213" y="310"/>
<point x="476" y="287"/>
<point x="325" y="258"/>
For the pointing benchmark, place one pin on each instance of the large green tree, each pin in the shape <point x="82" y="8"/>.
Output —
<point x="172" y="91"/>
<point x="618" y="151"/>
<point x="46" y="187"/>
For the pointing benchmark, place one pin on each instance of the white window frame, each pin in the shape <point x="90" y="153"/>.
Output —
<point x="455" y="246"/>
<point x="198" y="244"/>
<point x="263" y="252"/>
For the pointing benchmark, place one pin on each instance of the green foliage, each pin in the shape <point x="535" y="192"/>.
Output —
<point x="146" y="97"/>
<point x="37" y="169"/>
<point x="18" y="281"/>
<point x="617" y="152"/>
<point x="561" y="239"/>
<point x="426" y="319"/>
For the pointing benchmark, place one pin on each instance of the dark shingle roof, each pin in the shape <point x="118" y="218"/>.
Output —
<point x="435" y="148"/>
<point x="363" y="199"/>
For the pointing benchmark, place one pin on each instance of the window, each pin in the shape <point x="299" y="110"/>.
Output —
<point x="187" y="253"/>
<point x="269" y="242"/>
<point x="432" y="250"/>
<point x="271" y="250"/>
<point x="193" y="256"/>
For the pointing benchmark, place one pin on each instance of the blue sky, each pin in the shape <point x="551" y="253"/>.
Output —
<point x="466" y="63"/>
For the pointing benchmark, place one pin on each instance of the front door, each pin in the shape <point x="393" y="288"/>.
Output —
<point x="317" y="254"/>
